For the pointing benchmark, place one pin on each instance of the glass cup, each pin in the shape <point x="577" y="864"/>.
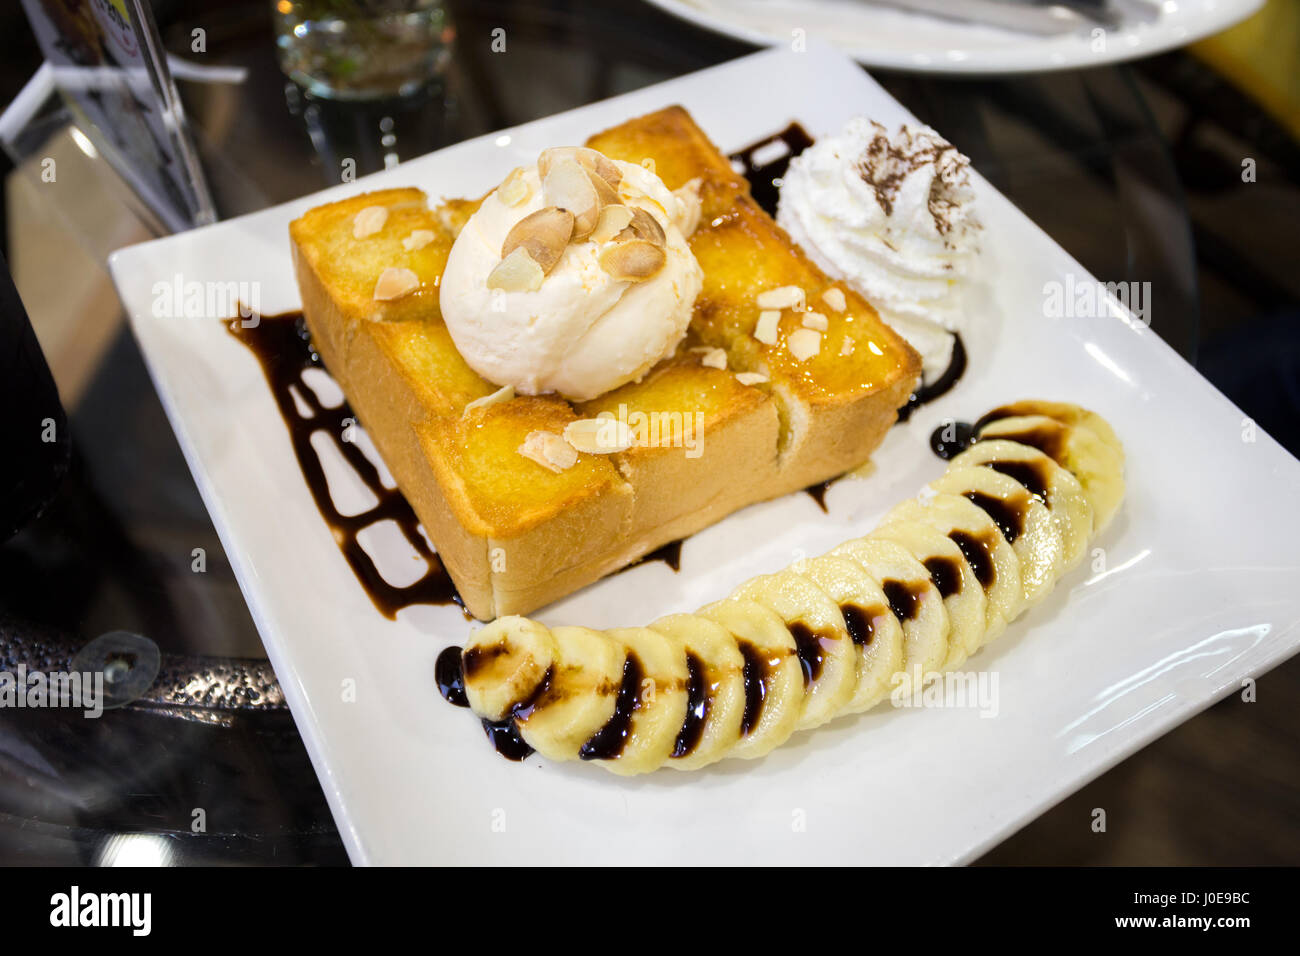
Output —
<point x="362" y="49"/>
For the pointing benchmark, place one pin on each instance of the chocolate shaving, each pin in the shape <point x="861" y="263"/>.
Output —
<point x="885" y="165"/>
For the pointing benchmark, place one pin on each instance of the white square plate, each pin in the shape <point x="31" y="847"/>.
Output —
<point x="1192" y="589"/>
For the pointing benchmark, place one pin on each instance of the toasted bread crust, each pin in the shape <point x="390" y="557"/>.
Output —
<point x="513" y="534"/>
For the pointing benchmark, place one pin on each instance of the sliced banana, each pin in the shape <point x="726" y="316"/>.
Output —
<point x="772" y="675"/>
<point x="1077" y="448"/>
<point x="579" y="695"/>
<point x="951" y="573"/>
<point x="651" y="704"/>
<point x="826" y="654"/>
<point x="1042" y="477"/>
<point x="1023" y="520"/>
<point x="506" y="663"/>
<point x="914" y="601"/>
<point x="878" y="616"/>
<point x="876" y="634"/>
<point x="715" y="692"/>
<point x="994" y="561"/>
<point x="1063" y="412"/>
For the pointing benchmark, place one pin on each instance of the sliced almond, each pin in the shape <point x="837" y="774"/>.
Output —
<point x="502" y="394"/>
<point x="599" y="436"/>
<point x="569" y="186"/>
<point x="645" y="226"/>
<point x="782" y="297"/>
<point x="604" y="191"/>
<point x="544" y="234"/>
<point x="418" y="240"/>
<point x="517" y="272"/>
<point x="514" y="189"/>
<point x="766" y="329"/>
<point x="751" y="378"/>
<point x="549" y="450"/>
<point x="589" y="159"/>
<point x="369" y="221"/>
<point x="711" y="357"/>
<point x="688" y="199"/>
<point x="834" y="297"/>
<point x="803" y="344"/>
<point x="633" y="261"/>
<point x="394" y="283"/>
<point x="612" y="221"/>
<point x="815" y="320"/>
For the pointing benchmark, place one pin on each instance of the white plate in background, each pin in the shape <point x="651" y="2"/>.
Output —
<point x="1194" y="587"/>
<point x="896" y="39"/>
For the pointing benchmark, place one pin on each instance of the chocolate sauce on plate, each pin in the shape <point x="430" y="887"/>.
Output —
<point x="284" y="350"/>
<point x="818" y="491"/>
<point x="504" y="734"/>
<point x="951" y="439"/>
<point x="670" y="554"/>
<point x="765" y="178"/>
<point x="450" y="676"/>
<point x="925" y="394"/>
<point x="505" y="738"/>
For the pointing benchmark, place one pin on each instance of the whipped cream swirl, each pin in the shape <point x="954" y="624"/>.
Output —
<point x="893" y="216"/>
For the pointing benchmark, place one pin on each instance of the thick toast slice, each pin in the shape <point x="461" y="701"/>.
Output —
<point x="515" y="535"/>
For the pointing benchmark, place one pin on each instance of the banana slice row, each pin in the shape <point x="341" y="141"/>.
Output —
<point x="943" y="574"/>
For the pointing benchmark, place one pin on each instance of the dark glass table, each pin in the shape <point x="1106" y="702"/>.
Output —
<point x="207" y="766"/>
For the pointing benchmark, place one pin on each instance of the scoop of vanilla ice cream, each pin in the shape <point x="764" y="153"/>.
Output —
<point x="893" y="217"/>
<point x="583" y="332"/>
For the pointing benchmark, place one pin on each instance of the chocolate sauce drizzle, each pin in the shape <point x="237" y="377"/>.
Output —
<point x="1008" y="515"/>
<point x="1049" y="440"/>
<point x="755" y="675"/>
<point x="945" y="574"/>
<point x="1027" y="473"/>
<point x="608" y="742"/>
<point x="697" y="707"/>
<point x="978" y="551"/>
<point x="904" y="599"/>
<point x="284" y="350"/>
<point x="861" y="623"/>
<point x="808" y="645"/>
